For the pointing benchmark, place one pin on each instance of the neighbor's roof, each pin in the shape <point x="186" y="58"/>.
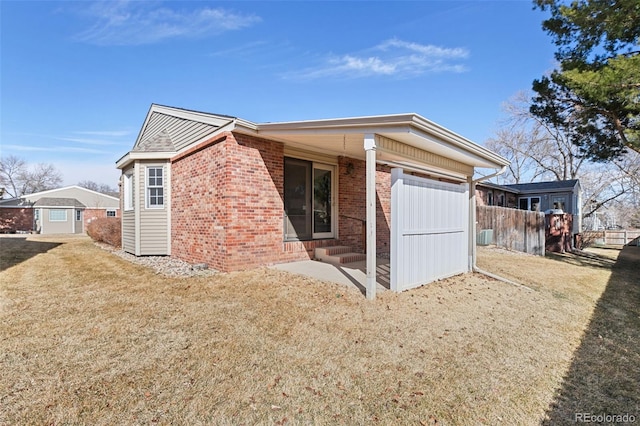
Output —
<point x="58" y="202"/>
<point x="544" y="186"/>
<point x="168" y="131"/>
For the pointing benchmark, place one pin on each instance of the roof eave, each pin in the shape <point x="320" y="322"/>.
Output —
<point x="132" y="156"/>
<point x="400" y="123"/>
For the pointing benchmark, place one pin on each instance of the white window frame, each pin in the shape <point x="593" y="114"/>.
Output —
<point x="113" y="211"/>
<point x="152" y="187"/>
<point x="78" y="215"/>
<point x="128" y="192"/>
<point x="58" y="220"/>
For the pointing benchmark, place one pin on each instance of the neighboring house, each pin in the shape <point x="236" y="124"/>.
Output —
<point x="65" y="210"/>
<point x="221" y="190"/>
<point x="565" y="195"/>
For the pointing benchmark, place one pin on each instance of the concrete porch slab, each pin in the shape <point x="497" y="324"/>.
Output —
<point x="349" y="274"/>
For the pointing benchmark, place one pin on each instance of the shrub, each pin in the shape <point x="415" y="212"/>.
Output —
<point x="106" y="230"/>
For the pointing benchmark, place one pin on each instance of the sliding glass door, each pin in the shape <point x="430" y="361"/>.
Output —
<point x="308" y="200"/>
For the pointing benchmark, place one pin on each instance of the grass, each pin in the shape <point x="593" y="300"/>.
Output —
<point x="88" y="338"/>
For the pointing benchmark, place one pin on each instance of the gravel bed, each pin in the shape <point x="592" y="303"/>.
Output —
<point x="163" y="265"/>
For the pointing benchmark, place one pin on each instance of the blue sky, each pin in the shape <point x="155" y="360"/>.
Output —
<point x="77" y="78"/>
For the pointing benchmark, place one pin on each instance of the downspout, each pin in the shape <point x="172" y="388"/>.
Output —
<point x="472" y="230"/>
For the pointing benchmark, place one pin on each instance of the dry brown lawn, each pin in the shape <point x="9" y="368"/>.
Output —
<point x="88" y="338"/>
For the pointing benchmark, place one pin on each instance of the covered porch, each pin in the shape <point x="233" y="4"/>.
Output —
<point x="406" y="143"/>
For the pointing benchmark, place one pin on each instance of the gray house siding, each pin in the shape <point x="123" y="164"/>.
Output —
<point x="547" y="200"/>
<point x="154" y="221"/>
<point x="128" y="217"/>
<point x="57" y="226"/>
<point x="151" y="222"/>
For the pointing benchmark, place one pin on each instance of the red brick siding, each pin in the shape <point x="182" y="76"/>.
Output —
<point x="198" y="215"/>
<point x="90" y="214"/>
<point x="227" y="207"/>
<point x="13" y="220"/>
<point x="482" y="197"/>
<point x="352" y="196"/>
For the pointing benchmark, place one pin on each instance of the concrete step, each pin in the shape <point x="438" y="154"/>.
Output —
<point x="331" y="250"/>
<point x="338" y="255"/>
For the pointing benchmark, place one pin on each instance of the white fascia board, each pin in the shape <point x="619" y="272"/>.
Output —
<point x="202" y="117"/>
<point x="132" y="156"/>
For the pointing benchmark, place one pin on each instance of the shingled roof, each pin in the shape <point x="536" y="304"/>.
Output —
<point x="543" y="186"/>
<point x="159" y="143"/>
<point x="58" y="202"/>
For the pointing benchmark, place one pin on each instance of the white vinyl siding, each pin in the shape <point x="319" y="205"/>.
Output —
<point x="429" y="230"/>
<point x="183" y="132"/>
<point x="128" y="232"/>
<point x="153" y="222"/>
<point x="128" y="213"/>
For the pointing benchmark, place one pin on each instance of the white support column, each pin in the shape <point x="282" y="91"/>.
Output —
<point x="472" y="222"/>
<point x="370" y="148"/>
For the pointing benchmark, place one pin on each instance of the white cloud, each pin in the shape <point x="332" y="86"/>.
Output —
<point x="394" y="57"/>
<point x="137" y="23"/>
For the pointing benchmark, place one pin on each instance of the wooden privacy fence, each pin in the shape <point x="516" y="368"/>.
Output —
<point x="617" y="237"/>
<point x="519" y="230"/>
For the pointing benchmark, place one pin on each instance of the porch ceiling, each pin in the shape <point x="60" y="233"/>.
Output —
<point x="346" y="137"/>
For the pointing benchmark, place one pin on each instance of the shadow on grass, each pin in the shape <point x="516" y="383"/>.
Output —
<point x="16" y="250"/>
<point x="605" y="372"/>
<point x="582" y="259"/>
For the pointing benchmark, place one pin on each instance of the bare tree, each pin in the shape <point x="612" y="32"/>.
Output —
<point x="18" y="178"/>
<point x="98" y="187"/>
<point x="541" y="151"/>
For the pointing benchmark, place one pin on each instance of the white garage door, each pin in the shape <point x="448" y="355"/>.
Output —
<point x="429" y="230"/>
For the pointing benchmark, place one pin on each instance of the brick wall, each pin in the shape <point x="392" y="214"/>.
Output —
<point x="90" y="214"/>
<point x="18" y="219"/>
<point x="352" y="202"/>
<point x="227" y="205"/>
<point x="198" y="204"/>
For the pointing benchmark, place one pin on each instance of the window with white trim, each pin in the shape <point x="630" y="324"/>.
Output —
<point x="57" y="215"/>
<point x="128" y="191"/>
<point x="155" y="189"/>
<point x="78" y="215"/>
<point x="111" y="213"/>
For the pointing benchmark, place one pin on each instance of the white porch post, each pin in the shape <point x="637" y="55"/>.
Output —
<point x="472" y="222"/>
<point x="370" y="148"/>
